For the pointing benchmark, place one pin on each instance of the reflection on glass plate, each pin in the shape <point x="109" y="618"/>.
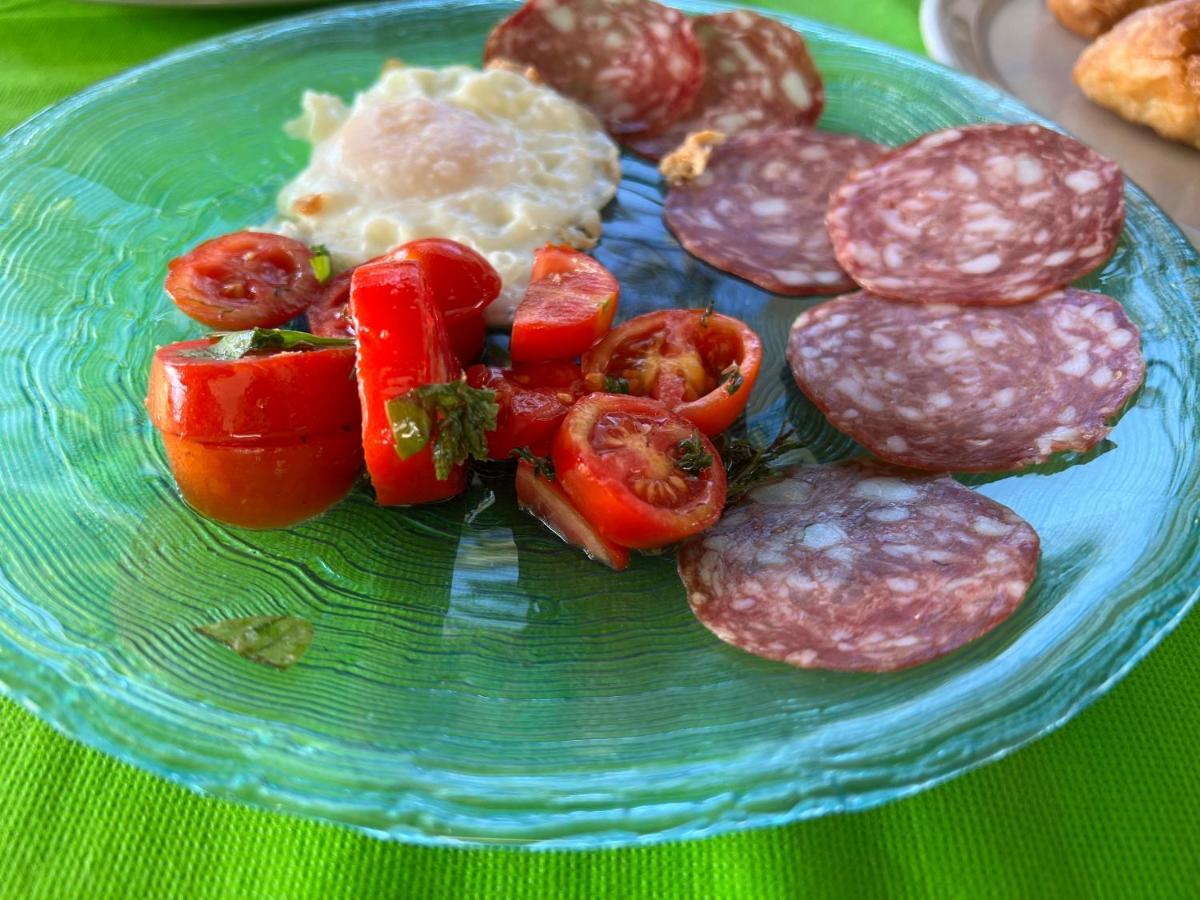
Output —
<point x="481" y="682"/>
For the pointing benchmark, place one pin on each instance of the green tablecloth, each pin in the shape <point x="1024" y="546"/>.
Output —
<point x="1108" y="806"/>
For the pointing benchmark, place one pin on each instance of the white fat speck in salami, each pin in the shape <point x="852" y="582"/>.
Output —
<point x="636" y="64"/>
<point x="972" y="388"/>
<point x="895" y="577"/>
<point x="770" y="192"/>
<point x="987" y="214"/>
<point x="757" y="74"/>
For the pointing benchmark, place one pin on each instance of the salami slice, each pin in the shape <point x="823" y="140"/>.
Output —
<point x="635" y="63"/>
<point x="757" y="74"/>
<point x="989" y="214"/>
<point x="968" y="388"/>
<point x="858" y="566"/>
<point x="758" y="211"/>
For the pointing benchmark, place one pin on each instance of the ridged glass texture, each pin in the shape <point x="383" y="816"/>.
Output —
<point x="482" y="682"/>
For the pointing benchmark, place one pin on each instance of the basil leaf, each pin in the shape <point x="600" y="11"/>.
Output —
<point x="237" y="344"/>
<point x="277" y="641"/>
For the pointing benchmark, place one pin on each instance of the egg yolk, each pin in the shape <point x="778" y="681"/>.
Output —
<point x="424" y="149"/>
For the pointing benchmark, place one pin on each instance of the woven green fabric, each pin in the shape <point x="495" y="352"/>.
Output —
<point x="1108" y="806"/>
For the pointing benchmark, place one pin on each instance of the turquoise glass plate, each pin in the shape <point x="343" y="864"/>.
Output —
<point x="472" y="679"/>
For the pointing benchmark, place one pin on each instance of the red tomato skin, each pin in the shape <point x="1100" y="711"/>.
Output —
<point x="459" y="278"/>
<point x="402" y="344"/>
<point x="245" y="279"/>
<point x="533" y="399"/>
<point x="272" y="396"/>
<point x="462" y="282"/>
<point x="715" y="410"/>
<point x="599" y="493"/>
<point x="554" y="509"/>
<point x="569" y="304"/>
<point x="265" y="485"/>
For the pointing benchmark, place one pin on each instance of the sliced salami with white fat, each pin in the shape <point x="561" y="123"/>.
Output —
<point x="635" y="63"/>
<point x="968" y="388"/>
<point x="858" y="566"/>
<point x="988" y="214"/>
<point x="758" y="211"/>
<point x="757" y="74"/>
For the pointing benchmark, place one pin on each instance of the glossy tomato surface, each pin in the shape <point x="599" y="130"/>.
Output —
<point x="246" y="279"/>
<point x="533" y="400"/>
<point x="265" y="484"/>
<point x="461" y="281"/>
<point x="702" y="367"/>
<point x="569" y="304"/>
<point x="618" y="458"/>
<point x="546" y="500"/>
<point x="262" y="396"/>
<point x="402" y="344"/>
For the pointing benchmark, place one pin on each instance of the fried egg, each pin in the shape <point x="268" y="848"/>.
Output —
<point x="489" y="159"/>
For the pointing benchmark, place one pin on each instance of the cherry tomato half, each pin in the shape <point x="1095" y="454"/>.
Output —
<point x="570" y="302"/>
<point x="461" y="281"/>
<point x="533" y="399"/>
<point x="624" y="463"/>
<point x="402" y="344"/>
<point x="246" y="279"/>
<point x="545" y="500"/>
<point x="264" y="441"/>
<point x="701" y="367"/>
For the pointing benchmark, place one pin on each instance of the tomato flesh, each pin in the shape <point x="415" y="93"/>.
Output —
<point x="402" y="344"/>
<point x="545" y="500"/>
<point x="533" y="400"/>
<point x="246" y="279"/>
<point x="701" y="367"/>
<point x="570" y="302"/>
<point x="264" y="441"/>
<point x="617" y="458"/>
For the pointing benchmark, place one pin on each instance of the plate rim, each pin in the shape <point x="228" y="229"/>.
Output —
<point x="55" y="692"/>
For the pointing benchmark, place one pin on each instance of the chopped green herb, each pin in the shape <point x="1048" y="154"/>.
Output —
<point x="542" y="465"/>
<point x="708" y="311"/>
<point x="277" y="641"/>
<point x="454" y="417"/>
<point x="693" y="457"/>
<point x="732" y="378"/>
<point x="322" y="264"/>
<point x="237" y="344"/>
<point x="746" y="465"/>
<point x="614" y="385"/>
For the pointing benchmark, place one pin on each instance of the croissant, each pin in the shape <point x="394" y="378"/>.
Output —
<point x="1094" y="17"/>
<point x="1147" y="69"/>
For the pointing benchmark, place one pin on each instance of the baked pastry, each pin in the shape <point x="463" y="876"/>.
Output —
<point x="1147" y="69"/>
<point x="1094" y="17"/>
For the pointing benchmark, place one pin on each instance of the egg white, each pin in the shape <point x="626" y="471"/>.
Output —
<point x="489" y="159"/>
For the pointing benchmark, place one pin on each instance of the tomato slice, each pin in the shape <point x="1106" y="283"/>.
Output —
<point x="402" y="344"/>
<point x="462" y="282"/>
<point x="550" y="505"/>
<point x="623" y="462"/>
<point x="702" y="367"/>
<point x="264" y="441"/>
<point x="533" y="399"/>
<point x="246" y="279"/>
<point x="261" y="397"/>
<point x="460" y="279"/>
<point x="570" y="302"/>
<point x="265" y="485"/>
